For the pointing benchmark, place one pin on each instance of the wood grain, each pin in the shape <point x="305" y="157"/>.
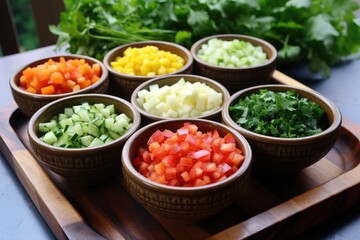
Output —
<point x="265" y="209"/>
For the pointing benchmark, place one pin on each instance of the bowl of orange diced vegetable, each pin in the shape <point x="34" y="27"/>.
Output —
<point x="186" y="169"/>
<point x="131" y="64"/>
<point x="48" y="79"/>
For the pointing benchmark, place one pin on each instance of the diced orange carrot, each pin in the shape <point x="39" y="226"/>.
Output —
<point x="57" y="77"/>
<point x="48" y="90"/>
<point x="31" y="90"/>
<point x="64" y="76"/>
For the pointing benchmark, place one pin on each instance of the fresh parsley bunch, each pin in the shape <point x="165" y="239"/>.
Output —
<point x="322" y="32"/>
<point x="278" y="114"/>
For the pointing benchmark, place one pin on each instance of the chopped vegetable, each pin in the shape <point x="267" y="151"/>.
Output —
<point x="147" y="61"/>
<point x="231" y="53"/>
<point x="279" y="114"/>
<point x="188" y="157"/>
<point x="321" y="31"/>
<point x="85" y="125"/>
<point x="179" y="100"/>
<point x="64" y="76"/>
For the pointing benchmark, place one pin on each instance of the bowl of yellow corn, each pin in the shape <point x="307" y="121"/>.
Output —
<point x="130" y="65"/>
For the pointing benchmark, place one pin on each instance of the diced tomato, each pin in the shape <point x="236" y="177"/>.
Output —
<point x="188" y="157"/>
<point x="170" y="173"/>
<point x="227" y="148"/>
<point x="186" y="162"/>
<point x="185" y="176"/>
<point x="229" y="138"/>
<point x="159" y="168"/>
<point x="201" y="155"/>
<point x="157" y="136"/>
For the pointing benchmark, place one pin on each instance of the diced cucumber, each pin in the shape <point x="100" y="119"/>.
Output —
<point x="84" y="115"/>
<point x="49" y="138"/>
<point x="105" y="112"/>
<point x="62" y="116"/>
<point x="99" y="106"/>
<point x="75" y="129"/>
<point x="85" y="125"/>
<point x="117" y="127"/>
<point x="114" y="135"/>
<point x="93" y="130"/>
<point x="86" y="140"/>
<point x="66" y="122"/>
<point x="96" y="142"/>
<point x="68" y="111"/>
<point x="48" y="126"/>
<point x="111" y="108"/>
<point x="62" y="140"/>
<point x="75" y="117"/>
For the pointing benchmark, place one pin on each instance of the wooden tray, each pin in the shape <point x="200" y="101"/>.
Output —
<point x="266" y="209"/>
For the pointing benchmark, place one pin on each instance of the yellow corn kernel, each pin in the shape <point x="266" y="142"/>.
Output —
<point x="147" y="61"/>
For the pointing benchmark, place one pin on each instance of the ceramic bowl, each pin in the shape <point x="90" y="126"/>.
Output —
<point x="29" y="103"/>
<point x="235" y="79"/>
<point x="183" y="204"/>
<point x="276" y="156"/>
<point x="83" y="166"/>
<point x="124" y="84"/>
<point x="147" y="117"/>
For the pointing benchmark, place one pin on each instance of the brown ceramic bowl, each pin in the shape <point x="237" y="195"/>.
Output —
<point x="276" y="156"/>
<point x="183" y="204"/>
<point x="84" y="166"/>
<point x="211" y="114"/>
<point x="235" y="79"/>
<point x="124" y="84"/>
<point x="29" y="103"/>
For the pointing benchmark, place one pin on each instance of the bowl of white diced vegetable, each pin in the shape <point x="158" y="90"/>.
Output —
<point x="80" y="137"/>
<point x="236" y="61"/>
<point x="179" y="96"/>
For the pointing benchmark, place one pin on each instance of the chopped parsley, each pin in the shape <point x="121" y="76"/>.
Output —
<point x="279" y="114"/>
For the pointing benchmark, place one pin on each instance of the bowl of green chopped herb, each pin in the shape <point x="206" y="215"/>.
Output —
<point x="289" y="128"/>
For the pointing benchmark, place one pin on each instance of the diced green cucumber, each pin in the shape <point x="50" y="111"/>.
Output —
<point x="62" y="140"/>
<point x="62" y="116"/>
<point x="86" y="140"/>
<point x="66" y="122"/>
<point x="49" y="138"/>
<point x="75" y="129"/>
<point x="93" y="130"/>
<point x="111" y="108"/>
<point x="48" y="126"/>
<point x="99" y="106"/>
<point x="68" y="111"/>
<point x="96" y="142"/>
<point x="85" y="125"/>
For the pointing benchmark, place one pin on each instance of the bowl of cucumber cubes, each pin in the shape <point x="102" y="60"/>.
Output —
<point x="80" y="137"/>
<point x="236" y="61"/>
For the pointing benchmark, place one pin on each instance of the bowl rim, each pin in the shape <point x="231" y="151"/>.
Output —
<point x="242" y="37"/>
<point x="225" y="92"/>
<point x="43" y="111"/>
<point x="106" y="59"/>
<point x="104" y="77"/>
<point x="246" y="166"/>
<point x="335" y="124"/>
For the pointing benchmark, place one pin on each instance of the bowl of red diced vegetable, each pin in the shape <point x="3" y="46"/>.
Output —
<point x="236" y="61"/>
<point x="45" y="80"/>
<point x="131" y="64"/>
<point x="186" y="170"/>
<point x="80" y="137"/>
<point x="289" y="128"/>
<point x="179" y="96"/>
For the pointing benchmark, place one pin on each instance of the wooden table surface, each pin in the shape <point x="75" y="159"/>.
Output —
<point x="21" y="220"/>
